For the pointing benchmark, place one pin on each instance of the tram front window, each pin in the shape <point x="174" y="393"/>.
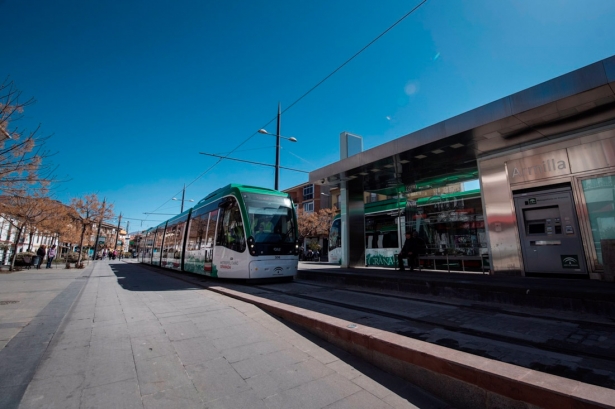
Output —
<point x="271" y="218"/>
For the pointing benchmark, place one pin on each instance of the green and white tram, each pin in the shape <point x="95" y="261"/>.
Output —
<point x="238" y="231"/>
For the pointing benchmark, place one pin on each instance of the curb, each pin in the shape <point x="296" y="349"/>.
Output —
<point x="465" y="380"/>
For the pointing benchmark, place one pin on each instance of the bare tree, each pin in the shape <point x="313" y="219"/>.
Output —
<point x="90" y="211"/>
<point x="26" y="212"/>
<point x="21" y="152"/>
<point x="315" y="224"/>
<point x="64" y="224"/>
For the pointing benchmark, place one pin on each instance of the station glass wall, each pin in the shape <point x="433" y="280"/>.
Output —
<point x="599" y="195"/>
<point x="452" y="225"/>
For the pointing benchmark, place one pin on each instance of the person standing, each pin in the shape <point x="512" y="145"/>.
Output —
<point x="413" y="247"/>
<point x="41" y="255"/>
<point x="51" y="254"/>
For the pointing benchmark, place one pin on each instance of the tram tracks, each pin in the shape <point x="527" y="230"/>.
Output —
<point x="541" y="342"/>
<point x="578" y="349"/>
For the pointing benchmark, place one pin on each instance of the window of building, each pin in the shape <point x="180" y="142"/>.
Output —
<point x="308" y="207"/>
<point x="308" y="193"/>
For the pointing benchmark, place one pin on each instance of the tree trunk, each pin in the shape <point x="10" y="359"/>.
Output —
<point x="30" y="241"/>
<point x="15" y="252"/>
<point x="81" y="245"/>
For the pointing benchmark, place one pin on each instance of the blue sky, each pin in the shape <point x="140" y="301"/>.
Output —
<point x="131" y="91"/>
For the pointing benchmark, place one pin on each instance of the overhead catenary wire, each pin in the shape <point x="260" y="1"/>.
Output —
<point x="305" y="94"/>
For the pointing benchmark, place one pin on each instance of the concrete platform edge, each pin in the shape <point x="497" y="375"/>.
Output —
<point x="457" y="377"/>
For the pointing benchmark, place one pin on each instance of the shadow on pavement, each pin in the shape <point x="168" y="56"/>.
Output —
<point x="133" y="277"/>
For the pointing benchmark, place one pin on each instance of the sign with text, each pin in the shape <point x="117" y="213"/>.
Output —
<point x="538" y="167"/>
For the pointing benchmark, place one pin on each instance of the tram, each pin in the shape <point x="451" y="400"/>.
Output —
<point x="238" y="231"/>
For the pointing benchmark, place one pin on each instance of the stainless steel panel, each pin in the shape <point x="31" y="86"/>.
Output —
<point x="573" y="93"/>
<point x="597" y="135"/>
<point x="356" y="224"/>
<point x="587" y="98"/>
<point x="536" y="167"/>
<point x="548" y="110"/>
<point x="491" y="112"/>
<point x="592" y="156"/>
<point x="581" y="80"/>
<point x="422" y="137"/>
<point x="609" y="68"/>
<point x="500" y="217"/>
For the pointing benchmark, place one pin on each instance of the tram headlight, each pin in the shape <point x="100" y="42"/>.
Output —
<point x="251" y="245"/>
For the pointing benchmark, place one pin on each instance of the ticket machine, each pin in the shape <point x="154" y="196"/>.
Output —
<point x="549" y="232"/>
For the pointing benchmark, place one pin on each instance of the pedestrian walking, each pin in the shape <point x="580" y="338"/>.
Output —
<point x="41" y="255"/>
<point x="51" y="254"/>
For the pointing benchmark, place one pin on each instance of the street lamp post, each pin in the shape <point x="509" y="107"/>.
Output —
<point x="183" y="195"/>
<point x="277" y="146"/>
<point x="328" y="196"/>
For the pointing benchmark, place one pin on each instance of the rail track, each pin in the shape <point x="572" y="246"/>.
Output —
<point x="571" y="345"/>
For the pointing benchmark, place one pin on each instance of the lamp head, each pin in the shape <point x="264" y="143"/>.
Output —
<point x="292" y="139"/>
<point x="263" y="131"/>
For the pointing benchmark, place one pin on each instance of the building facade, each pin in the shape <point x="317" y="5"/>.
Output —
<point x="525" y="184"/>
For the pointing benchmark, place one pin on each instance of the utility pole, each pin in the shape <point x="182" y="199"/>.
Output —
<point x="183" y="195"/>
<point x="277" y="148"/>
<point x="117" y="232"/>
<point x="102" y="214"/>
<point x="127" y="236"/>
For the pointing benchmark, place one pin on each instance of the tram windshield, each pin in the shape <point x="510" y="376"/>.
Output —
<point x="271" y="218"/>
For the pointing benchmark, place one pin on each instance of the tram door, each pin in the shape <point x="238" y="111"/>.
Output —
<point x="549" y="232"/>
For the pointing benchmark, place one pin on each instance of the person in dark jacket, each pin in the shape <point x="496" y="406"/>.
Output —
<point x="41" y="255"/>
<point x="412" y="249"/>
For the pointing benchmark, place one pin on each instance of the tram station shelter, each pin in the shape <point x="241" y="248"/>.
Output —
<point x="526" y="183"/>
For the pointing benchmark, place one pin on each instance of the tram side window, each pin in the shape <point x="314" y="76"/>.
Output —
<point x="196" y="236"/>
<point x="209" y="238"/>
<point x="230" y="229"/>
<point x="179" y="240"/>
<point x="171" y="241"/>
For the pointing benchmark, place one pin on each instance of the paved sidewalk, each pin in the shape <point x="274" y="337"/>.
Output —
<point x="137" y="339"/>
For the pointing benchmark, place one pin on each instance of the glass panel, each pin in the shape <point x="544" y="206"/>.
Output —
<point x="196" y="235"/>
<point x="171" y="253"/>
<point x="308" y="192"/>
<point x="157" y="247"/>
<point x="195" y="248"/>
<point x="599" y="197"/>
<point x="454" y="231"/>
<point x="271" y="218"/>
<point x="230" y="229"/>
<point x="211" y="233"/>
<point x="335" y="235"/>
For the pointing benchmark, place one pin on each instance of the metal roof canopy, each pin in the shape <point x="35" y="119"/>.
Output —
<point x="579" y="100"/>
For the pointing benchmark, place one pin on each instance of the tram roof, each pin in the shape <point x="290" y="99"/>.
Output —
<point x="230" y="188"/>
<point x="233" y="187"/>
<point x="576" y="101"/>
